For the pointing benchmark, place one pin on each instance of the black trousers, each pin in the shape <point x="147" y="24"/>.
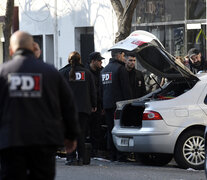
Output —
<point x="83" y="120"/>
<point x="28" y="163"/>
<point x="109" y="114"/>
<point x="95" y="129"/>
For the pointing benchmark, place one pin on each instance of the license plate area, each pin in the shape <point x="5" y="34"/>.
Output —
<point x="124" y="141"/>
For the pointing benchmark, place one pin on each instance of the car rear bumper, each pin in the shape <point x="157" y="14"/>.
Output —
<point x="160" y="139"/>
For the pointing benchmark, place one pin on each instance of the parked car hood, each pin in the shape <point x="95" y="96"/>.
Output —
<point x="152" y="55"/>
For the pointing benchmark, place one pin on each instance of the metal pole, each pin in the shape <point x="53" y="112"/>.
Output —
<point x="56" y="37"/>
<point x="206" y="30"/>
<point x="185" y="27"/>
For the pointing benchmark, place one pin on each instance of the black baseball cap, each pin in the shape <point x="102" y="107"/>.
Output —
<point x="95" y="56"/>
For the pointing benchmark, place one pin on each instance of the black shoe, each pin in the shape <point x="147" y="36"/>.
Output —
<point x="113" y="158"/>
<point x="121" y="159"/>
<point x="80" y="162"/>
<point x="94" y="153"/>
<point x="71" y="162"/>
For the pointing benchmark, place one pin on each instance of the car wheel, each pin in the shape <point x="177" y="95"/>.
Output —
<point x="155" y="159"/>
<point x="206" y="166"/>
<point x="190" y="150"/>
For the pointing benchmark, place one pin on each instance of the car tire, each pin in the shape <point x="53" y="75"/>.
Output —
<point x="155" y="159"/>
<point x="205" y="165"/>
<point x="190" y="150"/>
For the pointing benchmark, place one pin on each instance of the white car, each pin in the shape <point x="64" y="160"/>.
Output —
<point x="169" y="122"/>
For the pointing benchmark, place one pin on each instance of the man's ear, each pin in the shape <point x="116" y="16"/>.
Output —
<point x="118" y="56"/>
<point x="11" y="52"/>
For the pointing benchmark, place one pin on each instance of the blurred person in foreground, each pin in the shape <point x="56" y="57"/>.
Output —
<point x="37" y="114"/>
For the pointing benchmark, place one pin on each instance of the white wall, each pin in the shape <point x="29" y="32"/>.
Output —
<point x="2" y="7"/>
<point x="2" y="13"/>
<point x="47" y="17"/>
<point x="1" y="43"/>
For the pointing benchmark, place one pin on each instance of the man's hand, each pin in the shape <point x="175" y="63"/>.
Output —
<point x="94" y="109"/>
<point x="102" y="112"/>
<point x="70" y="146"/>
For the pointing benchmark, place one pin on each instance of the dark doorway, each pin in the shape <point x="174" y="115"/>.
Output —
<point x="84" y="42"/>
<point x="86" y="46"/>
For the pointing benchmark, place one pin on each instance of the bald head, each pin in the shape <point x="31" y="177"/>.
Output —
<point x="21" y="40"/>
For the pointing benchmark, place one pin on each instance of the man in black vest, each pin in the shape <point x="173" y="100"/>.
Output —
<point x="96" y="118"/>
<point x="115" y="87"/>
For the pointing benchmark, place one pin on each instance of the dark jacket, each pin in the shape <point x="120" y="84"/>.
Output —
<point x="83" y="88"/>
<point x="114" y="83"/>
<point x="201" y="67"/>
<point x="37" y="107"/>
<point x="96" y="77"/>
<point x="137" y="83"/>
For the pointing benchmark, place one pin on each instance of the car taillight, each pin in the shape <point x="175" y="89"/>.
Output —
<point x="151" y="115"/>
<point x="117" y="114"/>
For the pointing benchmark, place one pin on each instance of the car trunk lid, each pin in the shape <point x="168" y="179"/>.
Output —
<point x="152" y="56"/>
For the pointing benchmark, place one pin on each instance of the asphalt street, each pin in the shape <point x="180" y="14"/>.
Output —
<point x="105" y="170"/>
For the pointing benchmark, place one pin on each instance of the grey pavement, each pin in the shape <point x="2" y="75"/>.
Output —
<point x="105" y="170"/>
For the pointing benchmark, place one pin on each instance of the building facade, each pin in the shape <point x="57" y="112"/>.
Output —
<point x="2" y="14"/>
<point x="179" y="24"/>
<point x="62" y="26"/>
<point x="15" y="24"/>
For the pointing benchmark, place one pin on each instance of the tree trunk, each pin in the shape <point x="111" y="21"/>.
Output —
<point x="7" y="27"/>
<point x="124" y="17"/>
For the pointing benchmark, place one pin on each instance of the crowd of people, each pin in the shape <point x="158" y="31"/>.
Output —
<point x="42" y="109"/>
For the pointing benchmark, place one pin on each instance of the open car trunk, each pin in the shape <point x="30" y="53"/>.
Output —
<point x="154" y="58"/>
<point x="131" y="114"/>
